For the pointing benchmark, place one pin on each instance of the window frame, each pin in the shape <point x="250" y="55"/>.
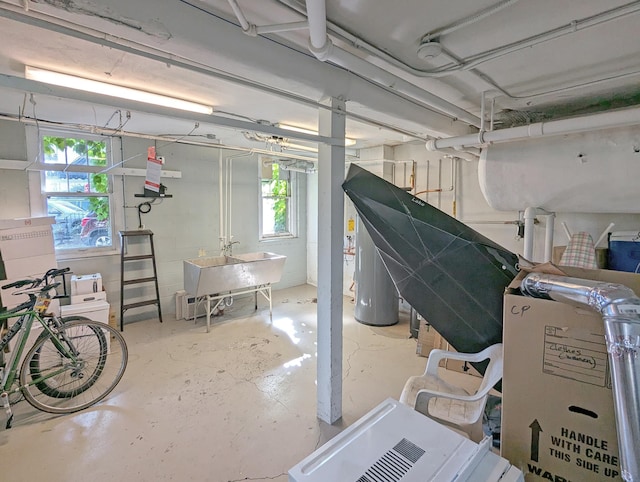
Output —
<point x="39" y="195"/>
<point x="292" y="211"/>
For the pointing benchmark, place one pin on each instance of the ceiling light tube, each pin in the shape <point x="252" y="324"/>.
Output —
<point x="97" y="87"/>
<point x="298" y="147"/>
<point x="347" y="141"/>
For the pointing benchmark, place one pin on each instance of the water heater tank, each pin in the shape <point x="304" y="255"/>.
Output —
<point x="589" y="172"/>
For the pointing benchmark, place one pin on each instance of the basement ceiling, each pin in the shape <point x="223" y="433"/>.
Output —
<point x="530" y="61"/>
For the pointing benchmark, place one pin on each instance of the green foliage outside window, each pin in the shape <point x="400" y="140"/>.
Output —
<point x="280" y="192"/>
<point x="90" y="153"/>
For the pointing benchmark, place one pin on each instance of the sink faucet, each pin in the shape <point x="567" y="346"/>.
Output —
<point x="227" y="248"/>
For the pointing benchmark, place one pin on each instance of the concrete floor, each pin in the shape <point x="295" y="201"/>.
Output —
<point x="238" y="403"/>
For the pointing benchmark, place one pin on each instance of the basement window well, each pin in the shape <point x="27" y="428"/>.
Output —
<point x="76" y="192"/>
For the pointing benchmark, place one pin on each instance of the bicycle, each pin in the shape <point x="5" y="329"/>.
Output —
<point x="74" y="363"/>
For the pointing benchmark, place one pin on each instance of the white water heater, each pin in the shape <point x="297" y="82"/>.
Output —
<point x="394" y="443"/>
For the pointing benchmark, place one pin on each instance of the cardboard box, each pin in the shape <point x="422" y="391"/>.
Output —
<point x="27" y="267"/>
<point x="27" y="222"/>
<point x="86" y="284"/>
<point x="428" y="339"/>
<point x="26" y="242"/>
<point x="558" y="419"/>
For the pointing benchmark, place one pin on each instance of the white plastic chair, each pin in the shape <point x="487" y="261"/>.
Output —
<point x="449" y="404"/>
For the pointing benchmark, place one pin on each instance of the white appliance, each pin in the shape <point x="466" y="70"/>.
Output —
<point x="394" y="443"/>
<point x="187" y="308"/>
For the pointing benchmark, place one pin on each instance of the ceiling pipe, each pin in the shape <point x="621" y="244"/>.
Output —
<point x="470" y="20"/>
<point x="244" y="23"/>
<point x="324" y="49"/>
<point x="605" y="120"/>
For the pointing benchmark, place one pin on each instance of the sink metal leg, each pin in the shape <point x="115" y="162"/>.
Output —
<point x="208" y="313"/>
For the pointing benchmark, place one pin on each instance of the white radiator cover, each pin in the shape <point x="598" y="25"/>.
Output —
<point x="589" y="172"/>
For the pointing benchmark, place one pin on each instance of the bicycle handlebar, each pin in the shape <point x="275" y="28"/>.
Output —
<point x="53" y="272"/>
<point x="21" y="283"/>
<point x="35" y="282"/>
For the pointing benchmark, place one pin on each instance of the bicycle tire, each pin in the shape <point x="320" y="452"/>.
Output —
<point x="53" y="390"/>
<point x="44" y="372"/>
<point x="52" y="386"/>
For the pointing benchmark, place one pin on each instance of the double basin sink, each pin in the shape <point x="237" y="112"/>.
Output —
<point x="222" y="274"/>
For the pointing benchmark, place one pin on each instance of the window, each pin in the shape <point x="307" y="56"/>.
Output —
<point x="76" y="192"/>
<point x="277" y="205"/>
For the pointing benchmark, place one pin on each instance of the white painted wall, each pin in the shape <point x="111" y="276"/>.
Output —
<point x="182" y="225"/>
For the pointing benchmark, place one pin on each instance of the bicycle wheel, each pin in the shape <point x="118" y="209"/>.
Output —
<point x="55" y="387"/>
<point x="57" y="382"/>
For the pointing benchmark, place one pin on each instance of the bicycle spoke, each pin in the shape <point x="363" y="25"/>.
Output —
<point x="60" y="382"/>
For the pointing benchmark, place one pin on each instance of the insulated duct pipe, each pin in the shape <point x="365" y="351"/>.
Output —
<point x="323" y="48"/>
<point x="620" y="309"/>
<point x="593" y="122"/>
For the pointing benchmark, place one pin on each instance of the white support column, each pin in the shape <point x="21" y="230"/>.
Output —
<point x="331" y="167"/>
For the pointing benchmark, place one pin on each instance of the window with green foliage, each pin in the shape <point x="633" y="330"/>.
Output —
<point x="277" y="204"/>
<point x="77" y="193"/>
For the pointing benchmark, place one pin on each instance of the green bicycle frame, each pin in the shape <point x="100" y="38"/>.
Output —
<point x="23" y="332"/>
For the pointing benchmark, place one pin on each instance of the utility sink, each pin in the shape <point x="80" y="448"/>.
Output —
<point x="223" y="274"/>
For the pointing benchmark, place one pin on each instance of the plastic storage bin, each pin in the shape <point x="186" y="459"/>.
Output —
<point x="624" y="251"/>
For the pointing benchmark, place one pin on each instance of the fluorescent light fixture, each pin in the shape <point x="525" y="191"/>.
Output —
<point x="347" y="142"/>
<point x="94" y="86"/>
<point x="298" y="147"/>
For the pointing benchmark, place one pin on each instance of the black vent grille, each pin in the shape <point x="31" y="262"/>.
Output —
<point x="393" y="465"/>
<point x="409" y="450"/>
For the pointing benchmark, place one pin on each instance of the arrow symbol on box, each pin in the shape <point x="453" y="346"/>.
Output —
<point x="535" y="439"/>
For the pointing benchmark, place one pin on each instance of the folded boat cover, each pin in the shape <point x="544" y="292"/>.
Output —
<point x="450" y="274"/>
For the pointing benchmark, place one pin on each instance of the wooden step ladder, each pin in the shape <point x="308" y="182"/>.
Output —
<point x="124" y="258"/>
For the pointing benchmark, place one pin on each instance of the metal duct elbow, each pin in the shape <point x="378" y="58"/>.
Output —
<point x="595" y="294"/>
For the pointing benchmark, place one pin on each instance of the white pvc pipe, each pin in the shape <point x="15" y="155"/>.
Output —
<point x="223" y="235"/>
<point x="281" y="27"/>
<point x="605" y="120"/>
<point x="458" y="24"/>
<point x="317" y="17"/>
<point x="566" y="230"/>
<point x="322" y="47"/>
<point x="548" y="239"/>
<point x="244" y="23"/>
<point x="529" y="219"/>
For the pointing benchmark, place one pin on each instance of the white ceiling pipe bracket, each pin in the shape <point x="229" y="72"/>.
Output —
<point x="605" y="120"/>
<point x="322" y="47"/>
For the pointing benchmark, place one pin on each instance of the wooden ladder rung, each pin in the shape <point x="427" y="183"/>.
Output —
<point x="139" y="280"/>
<point x="137" y="257"/>
<point x="140" y="303"/>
